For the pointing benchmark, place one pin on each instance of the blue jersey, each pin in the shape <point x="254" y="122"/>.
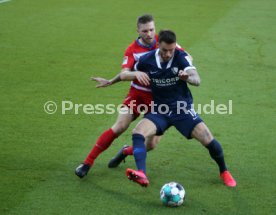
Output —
<point x="166" y="86"/>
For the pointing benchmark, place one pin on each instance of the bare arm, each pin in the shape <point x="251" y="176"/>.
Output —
<point x="191" y="76"/>
<point x="142" y="77"/>
<point x="102" y="82"/>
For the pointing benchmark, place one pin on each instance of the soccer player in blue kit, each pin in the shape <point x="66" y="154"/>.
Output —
<point x="168" y="70"/>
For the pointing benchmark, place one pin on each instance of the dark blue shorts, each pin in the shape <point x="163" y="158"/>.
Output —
<point x="184" y="122"/>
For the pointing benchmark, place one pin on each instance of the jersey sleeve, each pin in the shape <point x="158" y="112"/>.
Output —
<point x="185" y="62"/>
<point x="140" y="65"/>
<point x="128" y="61"/>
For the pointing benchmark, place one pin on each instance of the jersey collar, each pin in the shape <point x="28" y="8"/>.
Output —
<point x="157" y="58"/>
<point x="145" y="46"/>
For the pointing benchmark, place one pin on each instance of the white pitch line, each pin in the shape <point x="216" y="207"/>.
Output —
<point x="3" y="1"/>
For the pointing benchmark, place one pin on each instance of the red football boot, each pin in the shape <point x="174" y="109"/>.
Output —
<point x="228" y="179"/>
<point x="137" y="176"/>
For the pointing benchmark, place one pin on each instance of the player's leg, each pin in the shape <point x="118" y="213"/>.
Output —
<point x="107" y="137"/>
<point x="152" y="124"/>
<point x="144" y="129"/>
<point x="152" y="141"/>
<point x="205" y="137"/>
<point x="193" y="127"/>
<point x="104" y="141"/>
<point x="130" y="102"/>
<point x="127" y="150"/>
<point x="142" y="101"/>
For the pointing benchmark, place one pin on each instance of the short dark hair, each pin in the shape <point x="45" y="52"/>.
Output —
<point x="144" y="19"/>
<point x="167" y="36"/>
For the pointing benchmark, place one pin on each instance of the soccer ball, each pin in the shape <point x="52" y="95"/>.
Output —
<point x="172" y="194"/>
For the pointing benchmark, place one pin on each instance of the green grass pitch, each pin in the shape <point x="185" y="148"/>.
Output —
<point x="49" y="50"/>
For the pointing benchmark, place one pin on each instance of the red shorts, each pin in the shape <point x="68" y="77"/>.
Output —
<point x="138" y="101"/>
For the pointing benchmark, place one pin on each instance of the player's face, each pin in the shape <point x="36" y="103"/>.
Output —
<point x="147" y="32"/>
<point x="166" y="50"/>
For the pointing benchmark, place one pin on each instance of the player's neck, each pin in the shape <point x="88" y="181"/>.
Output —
<point x="162" y="60"/>
<point x="144" y="43"/>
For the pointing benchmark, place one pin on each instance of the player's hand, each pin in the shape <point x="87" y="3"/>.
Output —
<point x="183" y="75"/>
<point x="143" y="78"/>
<point x="102" y="82"/>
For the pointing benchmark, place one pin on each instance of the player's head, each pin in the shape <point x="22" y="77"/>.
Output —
<point x="146" y="28"/>
<point x="167" y="44"/>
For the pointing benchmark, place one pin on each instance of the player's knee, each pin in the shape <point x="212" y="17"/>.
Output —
<point x="202" y="134"/>
<point x="151" y="145"/>
<point x="138" y="131"/>
<point x="152" y="142"/>
<point x="207" y="137"/>
<point x="207" y="140"/>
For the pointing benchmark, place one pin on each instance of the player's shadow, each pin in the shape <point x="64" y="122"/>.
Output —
<point x="133" y="194"/>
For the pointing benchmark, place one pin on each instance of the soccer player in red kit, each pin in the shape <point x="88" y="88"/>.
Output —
<point x="138" y="94"/>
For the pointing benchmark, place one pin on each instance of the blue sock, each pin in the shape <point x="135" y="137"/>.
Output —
<point x="139" y="151"/>
<point x="216" y="153"/>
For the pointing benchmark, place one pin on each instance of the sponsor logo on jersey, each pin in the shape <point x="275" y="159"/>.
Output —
<point x="165" y="81"/>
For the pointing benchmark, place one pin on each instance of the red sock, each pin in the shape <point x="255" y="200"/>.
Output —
<point x="103" y="142"/>
<point x="128" y="150"/>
